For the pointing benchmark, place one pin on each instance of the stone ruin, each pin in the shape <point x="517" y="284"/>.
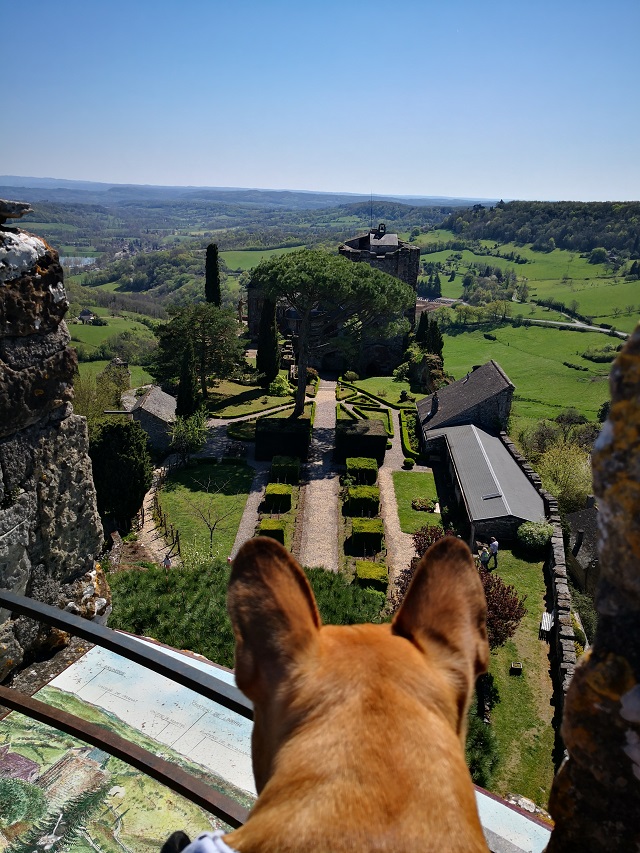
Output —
<point x="50" y="531"/>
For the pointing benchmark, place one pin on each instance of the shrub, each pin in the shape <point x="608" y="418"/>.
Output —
<point x="423" y="505"/>
<point x="342" y="603"/>
<point x="372" y="575"/>
<point x="273" y="528"/>
<point x="505" y="608"/>
<point x="408" y="463"/>
<point x="285" y="469"/>
<point x="350" y="376"/>
<point x="363" y="470"/>
<point x="481" y="751"/>
<point x="363" y="500"/>
<point x="366" y="535"/>
<point x="277" y="497"/>
<point x="535" y="535"/>
<point x="489" y="336"/>
<point x="280" y="387"/>
<point x="409" y="433"/>
<point x="577" y="630"/>
<point x="281" y="437"/>
<point x="367" y="437"/>
<point x="426" y="536"/>
<point x="312" y="375"/>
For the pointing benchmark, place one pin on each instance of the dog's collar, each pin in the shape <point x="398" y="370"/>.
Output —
<point x="209" y="842"/>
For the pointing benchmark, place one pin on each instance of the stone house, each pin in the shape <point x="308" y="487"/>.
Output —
<point x="86" y="317"/>
<point x="155" y="411"/>
<point x="460" y="428"/>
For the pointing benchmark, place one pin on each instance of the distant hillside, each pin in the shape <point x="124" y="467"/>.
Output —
<point x="89" y="192"/>
<point x="578" y="226"/>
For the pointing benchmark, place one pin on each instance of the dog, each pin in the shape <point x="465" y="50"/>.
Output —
<point x="359" y="730"/>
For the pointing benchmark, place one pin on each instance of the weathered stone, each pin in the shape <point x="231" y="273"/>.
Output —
<point x="595" y="799"/>
<point x="13" y="209"/>
<point x="50" y="531"/>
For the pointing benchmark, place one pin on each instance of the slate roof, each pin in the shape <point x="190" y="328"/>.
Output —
<point x="493" y="483"/>
<point x="454" y="400"/>
<point x="157" y="403"/>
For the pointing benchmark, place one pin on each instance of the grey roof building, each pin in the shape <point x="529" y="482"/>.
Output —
<point x="155" y="411"/>
<point x="496" y="493"/>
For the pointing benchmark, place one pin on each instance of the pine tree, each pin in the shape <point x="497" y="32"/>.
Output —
<point x="434" y="342"/>
<point x="187" y="399"/>
<point x="268" y="354"/>
<point x="212" y="276"/>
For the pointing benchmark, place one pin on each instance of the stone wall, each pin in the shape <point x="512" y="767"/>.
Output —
<point x="595" y="799"/>
<point x="563" y="661"/>
<point x="50" y="531"/>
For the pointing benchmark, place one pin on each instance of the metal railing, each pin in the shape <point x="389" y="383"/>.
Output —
<point x="131" y="648"/>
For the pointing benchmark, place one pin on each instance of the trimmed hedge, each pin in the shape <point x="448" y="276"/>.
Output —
<point x="372" y="575"/>
<point x="367" y="535"/>
<point x="363" y="470"/>
<point x="364" y="411"/>
<point x="282" y="437"/>
<point x="361" y="438"/>
<point x="363" y="501"/>
<point x="273" y="528"/>
<point x="407" y="447"/>
<point x="277" y="497"/>
<point x="285" y="469"/>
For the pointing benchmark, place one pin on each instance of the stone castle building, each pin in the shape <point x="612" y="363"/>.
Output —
<point x="384" y="252"/>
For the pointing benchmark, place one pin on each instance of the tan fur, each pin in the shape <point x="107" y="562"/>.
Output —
<point x="358" y="740"/>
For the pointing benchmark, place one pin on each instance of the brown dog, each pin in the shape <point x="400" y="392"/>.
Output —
<point x="358" y="739"/>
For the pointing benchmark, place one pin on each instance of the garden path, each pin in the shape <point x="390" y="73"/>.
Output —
<point x="400" y="550"/>
<point x="319" y="540"/>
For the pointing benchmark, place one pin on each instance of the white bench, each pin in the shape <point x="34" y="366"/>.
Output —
<point x="546" y="625"/>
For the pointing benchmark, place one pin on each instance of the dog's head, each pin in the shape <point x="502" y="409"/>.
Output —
<point x="297" y="672"/>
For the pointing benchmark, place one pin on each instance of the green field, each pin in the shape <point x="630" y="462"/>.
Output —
<point x="246" y="260"/>
<point x="414" y="484"/>
<point x="532" y="357"/>
<point x="139" y="375"/>
<point x="93" y="336"/>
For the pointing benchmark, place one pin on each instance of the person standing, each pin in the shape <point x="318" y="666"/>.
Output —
<point x="167" y="562"/>
<point x="485" y="556"/>
<point x="493" y="548"/>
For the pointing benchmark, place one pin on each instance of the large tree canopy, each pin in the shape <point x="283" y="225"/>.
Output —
<point x="333" y="296"/>
<point x="213" y="333"/>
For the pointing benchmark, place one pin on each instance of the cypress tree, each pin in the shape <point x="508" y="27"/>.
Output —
<point x="212" y="275"/>
<point x="421" y="331"/>
<point x="434" y="342"/>
<point x="187" y="400"/>
<point x="268" y="354"/>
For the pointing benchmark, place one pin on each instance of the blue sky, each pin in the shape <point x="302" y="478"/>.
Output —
<point x="474" y="98"/>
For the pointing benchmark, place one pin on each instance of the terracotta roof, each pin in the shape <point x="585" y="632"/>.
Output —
<point x="453" y="401"/>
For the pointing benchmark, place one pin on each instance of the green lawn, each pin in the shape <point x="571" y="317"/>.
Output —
<point x="231" y="400"/>
<point x="414" y="484"/>
<point x="523" y="715"/>
<point x="533" y="359"/>
<point x="386" y="388"/>
<point x="246" y="260"/>
<point x="219" y="492"/>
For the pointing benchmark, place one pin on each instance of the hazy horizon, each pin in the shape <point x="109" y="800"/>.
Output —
<point x="458" y="100"/>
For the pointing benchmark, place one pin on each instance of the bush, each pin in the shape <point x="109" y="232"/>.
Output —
<point x="363" y="500"/>
<point x="285" y="469"/>
<point x="409" y="434"/>
<point x="535" y="535"/>
<point x="481" y="751"/>
<point x="350" y="376"/>
<point x="281" y="437"/>
<point x="363" y="470"/>
<point x="366" y="535"/>
<point x="312" y="375"/>
<point x="426" y="536"/>
<point x="273" y="528"/>
<point x="372" y="575"/>
<point x="280" y="387"/>
<point x="368" y="437"/>
<point x="408" y="463"/>
<point x="342" y="603"/>
<point x="423" y="505"/>
<point x="577" y="630"/>
<point x="277" y="497"/>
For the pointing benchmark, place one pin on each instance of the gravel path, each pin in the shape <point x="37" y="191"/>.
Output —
<point x="400" y="550"/>
<point x="319" y="540"/>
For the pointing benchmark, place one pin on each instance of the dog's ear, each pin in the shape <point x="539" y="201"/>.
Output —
<point x="444" y="610"/>
<point x="273" y="613"/>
